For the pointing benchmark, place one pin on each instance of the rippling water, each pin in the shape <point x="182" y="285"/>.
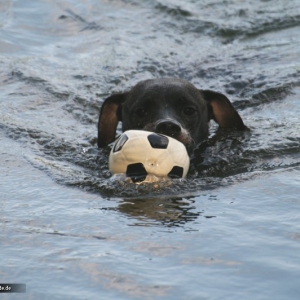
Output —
<point x="229" y="231"/>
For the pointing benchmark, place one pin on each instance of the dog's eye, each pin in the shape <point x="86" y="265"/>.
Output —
<point x="141" y="112"/>
<point x="189" y="111"/>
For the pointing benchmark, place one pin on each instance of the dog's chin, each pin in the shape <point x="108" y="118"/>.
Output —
<point x="185" y="139"/>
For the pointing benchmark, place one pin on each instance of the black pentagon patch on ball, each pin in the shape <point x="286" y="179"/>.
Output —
<point x="176" y="172"/>
<point x="136" y="172"/>
<point x="120" y="142"/>
<point x="158" y="141"/>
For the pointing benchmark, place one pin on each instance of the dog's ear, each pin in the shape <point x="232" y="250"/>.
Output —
<point x="109" y="117"/>
<point x="222" y="111"/>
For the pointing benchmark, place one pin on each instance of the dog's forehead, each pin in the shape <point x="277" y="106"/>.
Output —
<point x="163" y="86"/>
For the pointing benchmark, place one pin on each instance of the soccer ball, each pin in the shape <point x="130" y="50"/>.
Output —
<point x="140" y="154"/>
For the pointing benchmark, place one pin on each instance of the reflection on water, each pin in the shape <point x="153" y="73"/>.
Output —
<point x="168" y="212"/>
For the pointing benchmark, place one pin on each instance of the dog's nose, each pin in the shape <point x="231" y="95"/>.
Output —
<point x="168" y="127"/>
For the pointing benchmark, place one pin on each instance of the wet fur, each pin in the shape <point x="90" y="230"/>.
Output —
<point x="173" y="107"/>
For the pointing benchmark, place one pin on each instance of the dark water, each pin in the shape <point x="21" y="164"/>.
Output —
<point x="229" y="231"/>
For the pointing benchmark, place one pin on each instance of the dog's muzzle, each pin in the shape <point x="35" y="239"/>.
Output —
<point x="168" y="127"/>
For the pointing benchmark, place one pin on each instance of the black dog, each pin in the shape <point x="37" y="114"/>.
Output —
<point x="173" y="107"/>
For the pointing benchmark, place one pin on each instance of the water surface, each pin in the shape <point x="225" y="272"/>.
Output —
<point x="229" y="231"/>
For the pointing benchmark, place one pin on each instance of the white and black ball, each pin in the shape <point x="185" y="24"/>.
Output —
<point x="139" y="154"/>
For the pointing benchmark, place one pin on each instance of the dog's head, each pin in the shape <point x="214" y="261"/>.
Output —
<point x="173" y="107"/>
